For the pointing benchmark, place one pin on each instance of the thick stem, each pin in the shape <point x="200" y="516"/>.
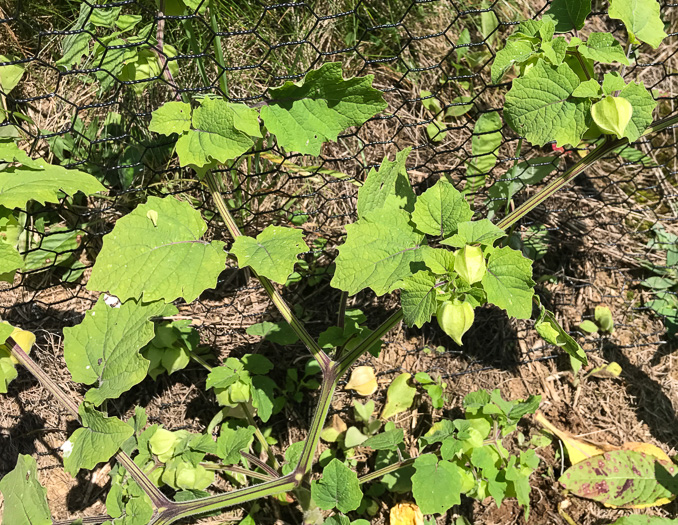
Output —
<point x="327" y="388"/>
<point x="158" y="498"/>
<point x="606" y="147"/>
<point x="277" y="299"/>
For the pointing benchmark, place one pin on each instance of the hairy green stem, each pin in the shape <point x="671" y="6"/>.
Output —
<point x="277" y="299"/>
<point x="386" y="470"/>
<point x="219" y="52"/>
<point x="238" y="470"/>
<point x="563" y="180"/>
<point x="157" y="497"/>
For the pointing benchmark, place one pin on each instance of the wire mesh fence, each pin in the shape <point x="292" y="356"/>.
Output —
<point x="89" y="75"/>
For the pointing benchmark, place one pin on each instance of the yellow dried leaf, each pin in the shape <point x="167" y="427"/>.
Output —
<point x="578" y="449"/>
<point x="335" y="429"/>
<point x="406" y="514"/>
<point x="363" y="381"/>
<point x="605" y="372"/>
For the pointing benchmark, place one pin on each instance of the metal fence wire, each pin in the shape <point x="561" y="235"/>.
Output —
<point x="91" y="74"/>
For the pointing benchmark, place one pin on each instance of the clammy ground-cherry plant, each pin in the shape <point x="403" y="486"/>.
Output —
<point x="443" y="261"/>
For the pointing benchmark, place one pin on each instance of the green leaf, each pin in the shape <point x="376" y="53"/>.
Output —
<point x="569" y="14"/>
<point x="418" y="298"/>
<point x="516" y="51"/>
<point x="380" y="250"/>
<point x="643" y="106"/>
<point x="436" y="485"/>
<point x="612" y="115"/>
<point x="508" y="282"/>
<point x="481" y="232"/>
<point x="76" y="44"/>
<point x="337" y="488"/>
<point x="98" y="440"/>
<point x="280" y="332"/>
<point x="10" y="75"/>
<point x="37" y="180"/>
<point x="103" y="350"/>
<point x="589" y="326"/>
<point x="171" y="117"/>
<point x="439" y="260"/>
<point x="588" y="89"/>
<point x="555" y="50"/>
<point x="399" y="396"/>
<point x="388" y="440"/>
<point x="551" y="331"/>
<point x="612" y="82"/>
<point x="25" y="499"/>
<point x="641" y="18"/>
<point x="10" y="260"/>
<point x="541" y="107"/>
<point x="214" y="137"/>
<point x="169" y="258"/>
<point x="302" y="116"/>
<point x="263" y="396"/>
<point x="232" y="441"/>
<point x="390" y="180"/>
<point x="621" y="477"/>
<point x="273" y="253"/>
<point x="604" y="48"/>
<point x="485" y="141"/>
<point x="440" y="209"/>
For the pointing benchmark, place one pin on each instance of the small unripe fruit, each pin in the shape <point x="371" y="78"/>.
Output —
<point x="469" y="263"/>
<point x="455" y="318"/>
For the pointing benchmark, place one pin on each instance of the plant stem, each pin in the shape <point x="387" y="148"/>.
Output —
<point x="263" y="466"/>
<point x="93" y="520"/>
<point x="260" y="437"/>
<point x="159" y="500"/>
<point x="238" y="470"/>
<point x="277" y="299"/>
<point x="599" y="152"/>
<point x="386" y="470"/>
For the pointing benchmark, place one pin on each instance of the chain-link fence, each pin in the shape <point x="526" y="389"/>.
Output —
<point x="78" y="83"/>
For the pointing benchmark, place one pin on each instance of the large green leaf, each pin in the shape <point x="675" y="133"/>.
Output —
<point x="25" y="499"/>
<point x="622" y="478"/>
<point x="399" y="396"/>
<point x="390" y="180"/>
<point x="103" y="350"/>
<point x="305" y="115"/>
<point x="337" y="488"/>
<point x="273" y="253"/>
<point x="214" y="136"/>
<point x="604" y="48"/>
<point x="540" y="106"/>
<point x="98" y="440"/>
<point x="10" y="75"/>
<point x="641" y="18"/>
<point x="418" y="298"/>
<point x="380" y="250"/>
<point x="508" y="282"/>
<point x="156" y="252"/>
<point x="38" y="180"/>
<point x="569" y="14"/>
<point x="643" y="106"/>
<point x="436" y="484"/>
<point x="440" y="209"/>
